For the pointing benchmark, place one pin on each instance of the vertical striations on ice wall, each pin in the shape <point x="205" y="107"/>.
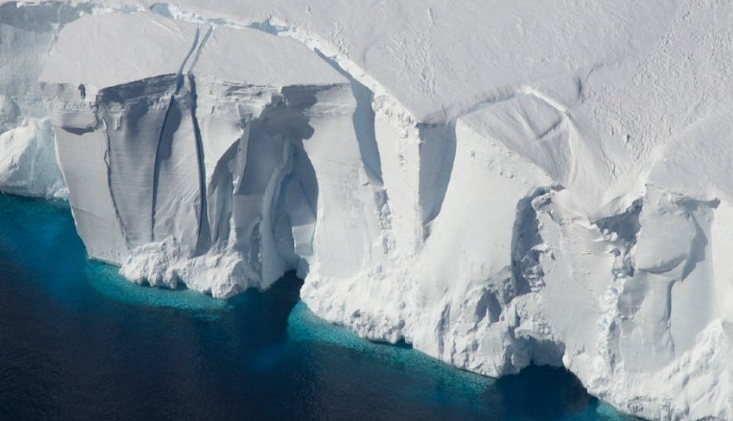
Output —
<point x="563" y="201"/>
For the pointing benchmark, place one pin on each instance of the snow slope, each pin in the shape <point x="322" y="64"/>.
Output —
<point x="496" y="183"/>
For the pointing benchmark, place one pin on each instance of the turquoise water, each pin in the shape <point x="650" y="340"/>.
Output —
<point x="78" y="342"/>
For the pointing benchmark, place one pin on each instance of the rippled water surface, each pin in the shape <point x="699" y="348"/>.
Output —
<point x="77" y="342"/>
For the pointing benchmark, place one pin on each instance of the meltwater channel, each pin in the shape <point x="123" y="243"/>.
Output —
<point x="78" y="342"/>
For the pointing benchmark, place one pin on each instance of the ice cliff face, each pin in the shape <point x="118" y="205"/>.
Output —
<point x="570" y="206"/>
<point x="27" y="159"/>
<point x="194" y="170"/>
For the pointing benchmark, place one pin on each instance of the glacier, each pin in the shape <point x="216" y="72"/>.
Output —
<point x="495" y="184"/>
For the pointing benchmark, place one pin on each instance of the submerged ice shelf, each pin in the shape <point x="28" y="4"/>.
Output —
<point x="216" y="357"/>
<point x="571" y="212"/>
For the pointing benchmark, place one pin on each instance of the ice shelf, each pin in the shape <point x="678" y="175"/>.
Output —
<point x="495" y="184"/>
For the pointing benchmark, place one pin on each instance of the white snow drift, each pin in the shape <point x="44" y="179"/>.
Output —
<point x="495" y="184"/>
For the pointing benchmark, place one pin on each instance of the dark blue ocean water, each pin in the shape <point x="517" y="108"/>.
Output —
<point x="77" y="342"/>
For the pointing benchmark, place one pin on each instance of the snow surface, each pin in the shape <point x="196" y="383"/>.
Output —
<point x="496" y="183"/>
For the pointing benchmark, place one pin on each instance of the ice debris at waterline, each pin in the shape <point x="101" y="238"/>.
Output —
<point x="493" y="184"/>
<point x="77" y="345"/>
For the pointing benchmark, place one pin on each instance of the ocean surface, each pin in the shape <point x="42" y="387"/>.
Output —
<point x="78" y="342"/>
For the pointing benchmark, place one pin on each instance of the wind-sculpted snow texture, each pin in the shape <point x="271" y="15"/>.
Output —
<point x="495" y="184"/>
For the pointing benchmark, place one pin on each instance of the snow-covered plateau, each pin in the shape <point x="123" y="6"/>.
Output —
<point x="495" y="183"/>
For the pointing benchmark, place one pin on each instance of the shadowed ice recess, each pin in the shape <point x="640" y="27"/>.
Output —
<point x="78" y="342"/>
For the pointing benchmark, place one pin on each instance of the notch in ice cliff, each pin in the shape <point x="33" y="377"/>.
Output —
<point x="537" y="220"/>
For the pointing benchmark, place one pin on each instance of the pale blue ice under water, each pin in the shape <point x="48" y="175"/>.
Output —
<point x="78" y="342"/>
